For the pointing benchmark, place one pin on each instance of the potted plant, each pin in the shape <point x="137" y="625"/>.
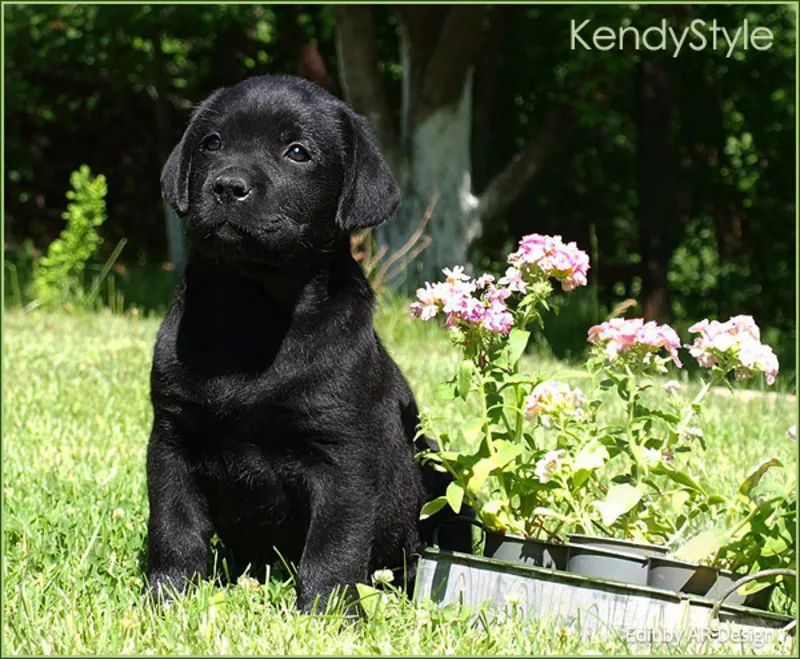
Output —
<point x="755" y="531"/>
<point x="535" y="459"/>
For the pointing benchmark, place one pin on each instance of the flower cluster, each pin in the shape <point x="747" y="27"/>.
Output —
<point x="552" y="399"/>
<point x="482" y="303"/>
<point x="547" y="256"/>
<point x="735" y="342"/>
<point x="550" y="464"/>
<point x="621" y="336"/>
<point x="454" y="297"/>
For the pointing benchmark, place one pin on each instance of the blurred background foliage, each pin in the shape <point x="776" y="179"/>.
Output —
<point x="696" y="213"/>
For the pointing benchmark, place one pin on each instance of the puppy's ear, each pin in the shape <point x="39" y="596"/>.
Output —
<point x="176" y="171"/>
<point x="370" y="195"/>
<point x="175" y="177"/>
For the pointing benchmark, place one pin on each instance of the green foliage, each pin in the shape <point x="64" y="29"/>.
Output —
<point x="58" y="276"/>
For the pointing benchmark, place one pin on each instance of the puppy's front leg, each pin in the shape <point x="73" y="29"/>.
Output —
<point x="180" y="527"/>
<point x="338" y="543"/>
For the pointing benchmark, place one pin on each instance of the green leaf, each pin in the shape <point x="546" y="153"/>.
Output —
<point x="455" y="496"/>
<point x="464" y="380"/>
<point x="619" y="500"/>
<point x="755" y="586"/>
<point x="774" y="546"/>
<point x="480" y="472"/>
<point x="369" y="598"/>
<point x="592" y="456"/>
<point x="488" y="514"/>
<point x="446" y="391"/>
<point x="756" y="474"/>
<point x="703" y="545"/>
<point x="432" y="507"/>
<point x="680" y="477"/>
<point x="472" y="430"/>
<point x="505" y="453"/>
<point x="517" y="342"/>
<point x="679" y="499"/>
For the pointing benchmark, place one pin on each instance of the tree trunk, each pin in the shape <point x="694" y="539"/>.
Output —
<point x="436" y="173"/>
<point x="654" y="179"/>
<point x="429" y="151"/>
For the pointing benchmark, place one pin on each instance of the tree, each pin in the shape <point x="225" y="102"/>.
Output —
<point x="427" y="143"/>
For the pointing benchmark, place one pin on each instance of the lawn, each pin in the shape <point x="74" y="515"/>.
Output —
<point x="76" y="417"/>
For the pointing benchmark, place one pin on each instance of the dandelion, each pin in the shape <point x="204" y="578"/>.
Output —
<point x="514" y="599"/>
<point x="384" y="577"/>
<point x="549" y="464"/>
<point x="735" y="343"/>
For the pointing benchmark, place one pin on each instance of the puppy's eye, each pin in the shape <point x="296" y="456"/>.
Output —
<point x="212" y="143"/>
<point x="297" y="153"/>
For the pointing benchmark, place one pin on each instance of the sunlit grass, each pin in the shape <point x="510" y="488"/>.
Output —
<point x="76" y="418"/>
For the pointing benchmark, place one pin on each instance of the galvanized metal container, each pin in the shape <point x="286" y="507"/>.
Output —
<point x="592" y="605"/>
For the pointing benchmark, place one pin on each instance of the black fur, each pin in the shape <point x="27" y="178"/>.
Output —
<point x="279" y="418"/>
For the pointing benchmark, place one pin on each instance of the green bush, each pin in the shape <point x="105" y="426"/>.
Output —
<point x="59" y="275"/>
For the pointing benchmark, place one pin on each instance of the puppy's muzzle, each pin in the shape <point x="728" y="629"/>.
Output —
<point x="231" y="189"/>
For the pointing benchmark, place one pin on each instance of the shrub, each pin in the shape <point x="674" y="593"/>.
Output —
<point x="59" y="275"/>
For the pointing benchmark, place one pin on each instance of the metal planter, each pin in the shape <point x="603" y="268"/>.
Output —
<point x="590" y="605"/>
<point x="537" y="553"/>
<point x="591" y="561"/>
<point x="615" y="544"/>
<point x="680" y="576"/>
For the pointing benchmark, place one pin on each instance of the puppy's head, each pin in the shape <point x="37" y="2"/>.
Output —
<point x="275" y="168"/>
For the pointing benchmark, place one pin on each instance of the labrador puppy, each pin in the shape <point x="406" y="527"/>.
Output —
<point x="280" y="421"/>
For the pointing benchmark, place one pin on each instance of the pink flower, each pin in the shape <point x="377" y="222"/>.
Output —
<point x="455" y="275"/>
<point x="548" y="256"/>
<point x="553" y="398"/>
<point x="454" y="298"/>
<point x="513" y="281"/>
<point x="736" y="342"/>
<point x="620" y="335"/>
<point x="549" y="464"/>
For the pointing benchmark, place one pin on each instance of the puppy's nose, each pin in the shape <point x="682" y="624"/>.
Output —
<point x="228" y="188"/>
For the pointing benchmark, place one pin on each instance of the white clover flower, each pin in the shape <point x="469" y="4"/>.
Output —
<point x="248" y="583"/>
<point x="672" y="387"/>
<point x="792" y="432"/>
<point x="384" y="577"/>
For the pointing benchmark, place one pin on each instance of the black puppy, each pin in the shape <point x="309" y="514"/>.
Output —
<point x="280" y="420"/>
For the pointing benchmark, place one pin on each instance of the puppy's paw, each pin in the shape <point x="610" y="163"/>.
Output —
<point x="162" y="588"/>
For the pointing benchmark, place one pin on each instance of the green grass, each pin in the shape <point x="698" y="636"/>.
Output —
<point x="76" y="418"/>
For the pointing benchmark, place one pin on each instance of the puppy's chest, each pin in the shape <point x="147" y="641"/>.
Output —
<point x="250" y="482"/>
<point x="238" y="378"/>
